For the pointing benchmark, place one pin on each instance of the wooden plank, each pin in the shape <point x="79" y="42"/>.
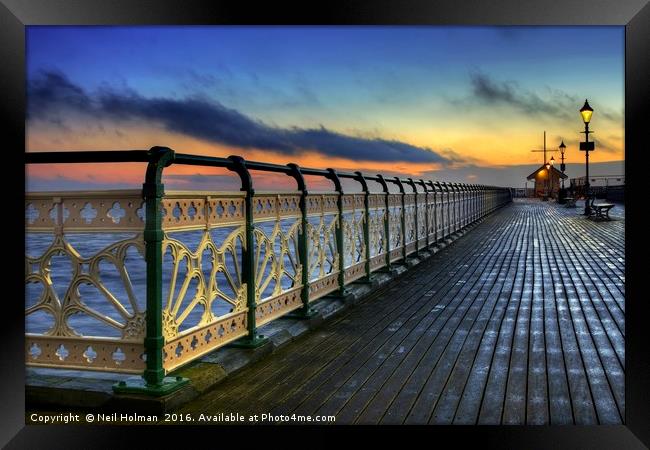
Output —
<point x="305" y="366"/>
<point x="580" y="398"/>
<point x="514" y="408"/>
<point x="377" y="407"/>
<point x="537" y="412"/>
<point x="401" y="407"/>
<point x="601" y="361"/>
<point x="470" y="401"/>
<point x="296" y="399"/>
<point x="491" y="410"/>
<point x="451" y="340"/>
<point x="336" y="381"/>
<point x="560" y="410"/>
<point x="358" y="403"/>
<point x="449" y="399"/>
<point x="519" y="322"/>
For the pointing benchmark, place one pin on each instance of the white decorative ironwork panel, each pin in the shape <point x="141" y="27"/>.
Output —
<point x="84" y="300"/>
<point x="110" y="211"/>
<point x="203" y="284"/>
<point x="276" y="206"/>
<point x="376" y="201"/>
<point x="85" y="353"/>
<point x="203" y="339"/>
<point x="377" y="231"/>
<point x="277" y="265"/>
<point x="70" y="295"/>
<point x="431" y="211"/>
<point x="354" y="272"/>
<point x="321" y="204"/>
<point x="278" y="306"/>
<point x="353" y="202"/>
<point x="323" y="286"/>
<point x="422" y="217"/>
<point x="322" y="254"/>
<point x="409" y="224"/>
<point x="354" y="246"/>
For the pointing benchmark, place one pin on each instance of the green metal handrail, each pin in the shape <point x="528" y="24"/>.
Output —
<point x="461" y="205"/>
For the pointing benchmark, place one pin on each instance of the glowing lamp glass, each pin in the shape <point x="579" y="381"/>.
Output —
<point x="586" y="111"/>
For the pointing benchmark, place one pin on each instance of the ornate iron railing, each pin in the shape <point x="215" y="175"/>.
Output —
<point x="145" y="281"/>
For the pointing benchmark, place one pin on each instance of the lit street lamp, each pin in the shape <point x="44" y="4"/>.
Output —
<point x="586" y="112"/>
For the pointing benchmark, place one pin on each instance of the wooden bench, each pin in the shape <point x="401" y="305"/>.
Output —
<point x="570" y="202"/>
<point x="600" y="210"/>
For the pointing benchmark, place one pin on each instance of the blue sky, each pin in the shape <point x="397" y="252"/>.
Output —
<point x="474" y="96"/>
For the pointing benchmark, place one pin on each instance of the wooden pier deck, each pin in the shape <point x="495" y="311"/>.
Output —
<point x="521" y="321"/>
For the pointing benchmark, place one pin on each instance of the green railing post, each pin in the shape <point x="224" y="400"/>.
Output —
<point x="435" y="212"/>
<point x="399" y="184"/>
<point x="306" y="311"/>
<point x="465" y="205"/>
<point x="474" y="203"/>
<point x="153" y="381"/>
<point x="450" y="200"/>
<point x="340" y="244"/>
<point x="461" y="188"/>
<point x="384" y="186"/>
<point x="456" y="195"/>
<point x="415" y="221"/>
<point x="457" y="210"/>
<point x="253" y="339"/>
<point x="470" y="204"/>
<point x="444" y="193"/>
<point x="366" y="224"/>
<point x="452" y="209"/>
<point x="464" y="214"/>
<point x="426" y="212"/>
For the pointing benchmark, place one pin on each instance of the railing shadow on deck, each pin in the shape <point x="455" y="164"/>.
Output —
<point x="146" y="281"/>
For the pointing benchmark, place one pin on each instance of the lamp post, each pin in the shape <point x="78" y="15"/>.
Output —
<point x="562" y="166"/>
<point x="586" y="112"/>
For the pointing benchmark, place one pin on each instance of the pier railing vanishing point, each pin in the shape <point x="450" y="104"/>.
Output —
<point x="187" y="272"/>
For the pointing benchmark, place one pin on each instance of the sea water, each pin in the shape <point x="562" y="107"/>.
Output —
<point x="88" y="245"/>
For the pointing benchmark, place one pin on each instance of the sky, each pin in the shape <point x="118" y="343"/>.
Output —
<point x="462" y="104"/>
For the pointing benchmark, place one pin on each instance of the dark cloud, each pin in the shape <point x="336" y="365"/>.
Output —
<point x="556" y="103"/>
<point x="50" y="94"/>
<point x="51" y="90"/>
<point x="488" y="91"/>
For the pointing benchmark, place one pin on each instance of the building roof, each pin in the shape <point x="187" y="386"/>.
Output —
<point x="543" y="167"/>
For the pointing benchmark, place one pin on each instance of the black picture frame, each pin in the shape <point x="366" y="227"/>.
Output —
<point x="633" y="14"/>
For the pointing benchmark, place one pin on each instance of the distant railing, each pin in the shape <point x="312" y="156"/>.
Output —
<point x="145" y="281"/>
